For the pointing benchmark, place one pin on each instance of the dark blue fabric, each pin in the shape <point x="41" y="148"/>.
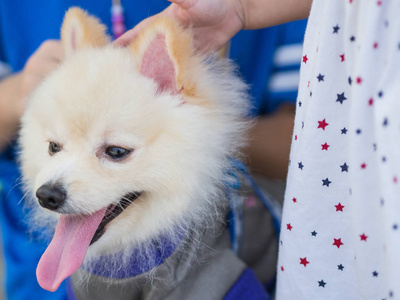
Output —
<point x="247" y="287"/>
<point x="24" y="25"/>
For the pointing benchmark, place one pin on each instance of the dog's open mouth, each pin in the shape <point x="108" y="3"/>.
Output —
<point x="72" y="238"/>
<point x="112" y="212"/>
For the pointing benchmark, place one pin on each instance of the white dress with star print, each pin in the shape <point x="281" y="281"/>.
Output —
<point x="340" y="235"/>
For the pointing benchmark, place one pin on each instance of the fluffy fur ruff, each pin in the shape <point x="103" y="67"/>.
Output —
<point x="182" y="115"/>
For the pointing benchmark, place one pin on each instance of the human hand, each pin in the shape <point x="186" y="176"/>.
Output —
<point x="43" y="61"/>
<point x="214" y="22"/>
<point x="15" y="89"/>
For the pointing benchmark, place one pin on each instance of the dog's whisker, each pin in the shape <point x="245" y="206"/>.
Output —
<point x="23" y="197"/>
<point x="16" y="184"/>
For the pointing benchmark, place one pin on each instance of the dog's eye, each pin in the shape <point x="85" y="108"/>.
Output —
<point x="117" y="152"/>
<point x="54" y="148"/>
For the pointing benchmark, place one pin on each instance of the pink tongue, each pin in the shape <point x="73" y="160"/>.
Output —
<point x="67" y="250"/>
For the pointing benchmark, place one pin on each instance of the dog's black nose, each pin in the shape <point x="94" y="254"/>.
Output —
<point x="51" y="196"/>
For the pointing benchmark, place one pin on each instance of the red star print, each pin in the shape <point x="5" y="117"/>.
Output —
<point x="363" y="237"/>
<point x="325" y="146"/>
<point x="305" y="59"/>
<point x="351" y="1"/>
<point x="395" y="179"/>
<point x="375" y="45"/>
<point x="289" y="227"/>
<point x="303" y="261"/>
<point x="282" y="268"/>
<point x="308" y="84"/>
<point x="339" y="207"/>
<point x="338" y="242"/>
<point x="295" y="137"/>
<point x="322" y="124"/>
<point x="370" y="102"/>
<point x="342" y="57"/>
<point x="294" y="200"/>
<point x="379" y="3"/>
<point x="359" y="80"/>
<point x="363" y="165"/>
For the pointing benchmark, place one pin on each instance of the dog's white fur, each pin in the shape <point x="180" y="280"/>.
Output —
<point x="181" y="142"/>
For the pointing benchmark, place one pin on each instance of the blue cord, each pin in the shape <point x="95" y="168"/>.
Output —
<point x="235" y="215"/>
<point x="266" y="202"/>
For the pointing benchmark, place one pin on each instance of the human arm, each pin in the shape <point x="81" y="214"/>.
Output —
<point x="9" y="102"/>
<point x="215" y="22"/>
<point x="268" y="149"/>
<point x="266" y="13"/>
<point x="15" y="89"/>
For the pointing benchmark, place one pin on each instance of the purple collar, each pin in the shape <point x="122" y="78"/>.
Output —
<point x="142" y="259"/>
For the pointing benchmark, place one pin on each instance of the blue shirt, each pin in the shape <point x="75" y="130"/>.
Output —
<point x="25" y="24"/>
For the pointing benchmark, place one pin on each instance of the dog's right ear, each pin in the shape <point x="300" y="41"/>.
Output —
<point x="81" y="30"/>
<point x="165" y="53"/>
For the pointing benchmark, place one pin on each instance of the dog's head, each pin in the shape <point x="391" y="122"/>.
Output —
<point x="121" y="145"/>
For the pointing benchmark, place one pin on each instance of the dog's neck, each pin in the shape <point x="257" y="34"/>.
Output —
<point x="175" y="277"/>
<point x="136" y="261"/>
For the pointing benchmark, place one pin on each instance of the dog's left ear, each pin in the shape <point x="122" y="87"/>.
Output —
<point x="81" y="30"/>
<point x="165" y="53"/>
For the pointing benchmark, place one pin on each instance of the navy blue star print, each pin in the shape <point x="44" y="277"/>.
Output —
<point x="341" y="98"/>
<point x="320" y="77"/>
<point x="336" y="29"/>
<point x="326" y="182"/>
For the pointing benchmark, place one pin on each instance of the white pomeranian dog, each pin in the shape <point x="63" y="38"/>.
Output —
<point x="126" y="151"/>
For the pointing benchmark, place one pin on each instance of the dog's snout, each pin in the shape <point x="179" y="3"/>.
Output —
<point x="51" y="196"/>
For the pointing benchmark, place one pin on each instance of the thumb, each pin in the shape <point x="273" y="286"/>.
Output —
<point x="185" y="4"/>
<point x="129" y="36"/>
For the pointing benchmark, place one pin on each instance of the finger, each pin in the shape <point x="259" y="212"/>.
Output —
<point x="125" y="39"/>
<point x="51" y="50"/>
<point x="185" y="4"/>
<point x="129" y="36"/>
